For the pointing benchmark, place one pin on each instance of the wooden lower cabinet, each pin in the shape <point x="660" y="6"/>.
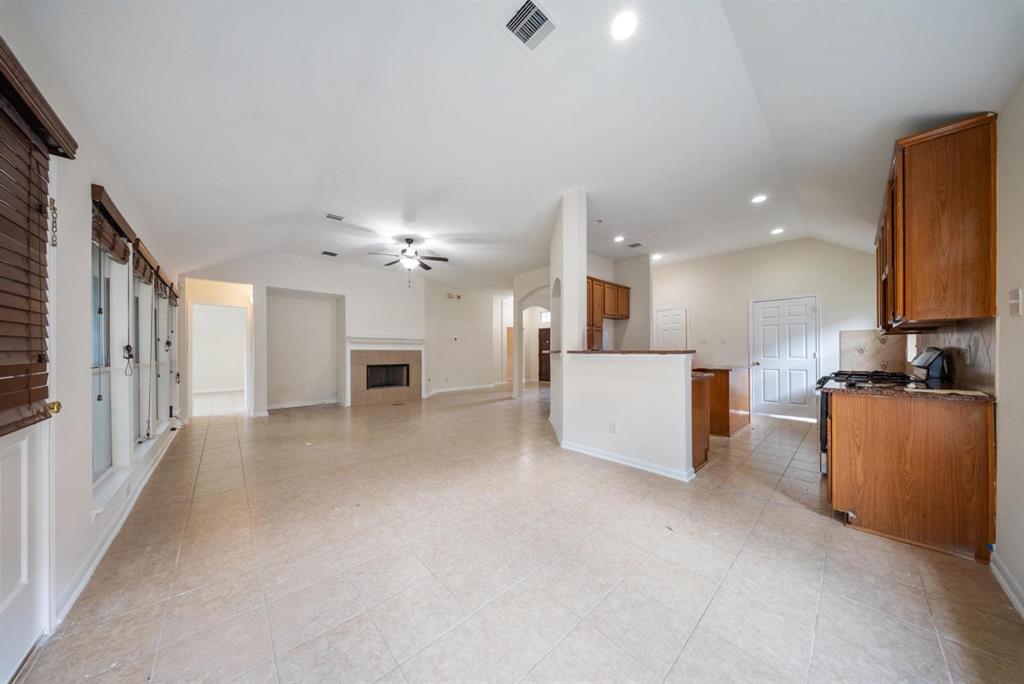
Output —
<point x="701" y="412"/>
<point x="918" y="469"/>
<point x="730" y="398"/>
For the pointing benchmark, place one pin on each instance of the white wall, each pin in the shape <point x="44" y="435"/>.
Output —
<point x="1008" y="560"/>
<point x="462" y="332"/>
<point x="632" y="409"/>
<point x="635" y="273"/>
<point x="377" y="303"/>
<point x="302" y="348"/>
<point x="717" y="290"/>
<point x="81" y="531"/>
<point x="219" y="336"/>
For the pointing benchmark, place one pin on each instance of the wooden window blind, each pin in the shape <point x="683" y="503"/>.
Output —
<point x="108" y="239"/>
<point x="24" y="171"/>
<point x="30" y="132"/>
<point x="143" y="265"/>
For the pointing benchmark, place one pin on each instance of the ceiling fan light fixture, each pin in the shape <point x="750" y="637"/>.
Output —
<point x="408" y="262"/>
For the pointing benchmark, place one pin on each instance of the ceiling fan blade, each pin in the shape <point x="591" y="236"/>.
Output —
<point x="433" y="258"/>
<point x="424" y="266"/>
<point x="392" y="263"/>
<point x="382" y="254"/>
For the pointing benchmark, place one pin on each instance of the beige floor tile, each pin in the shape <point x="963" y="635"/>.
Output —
<point x="77" y="652"/>
<point x="586" y="655"/>
<point x="218" y="654"/>
<point x="385" y="576"/>
<point x="775" y="640"/>
<point x="893" y="646"/>
<point x="976" y="667"/>
<point x="708" y="659"/>
<point x="291" y="574"/>
<point x="646" y="629"/>
<point x="983" y="631"/>
<point x="416" y="617"/>
<point x="672" y="586"/>
<point x="264" y="673"/>
<point x="306" y="613"/>
<point x="212" y="604"/>
<point x="905" y="602"/>
<point x="467" y="653"/>
<point x="352" y="651"/>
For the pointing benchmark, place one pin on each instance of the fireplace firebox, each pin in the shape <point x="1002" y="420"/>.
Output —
<point x="387" y="375"/>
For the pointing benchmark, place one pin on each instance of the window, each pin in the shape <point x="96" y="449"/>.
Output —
<point x="545" y="318"/>
<point x="102" y="451"/>
<point x="137" y="369"/>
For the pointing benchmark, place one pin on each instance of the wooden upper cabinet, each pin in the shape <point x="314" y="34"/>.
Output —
<point x="611" y="300"/>
<point x="597" y="304"/>
<point x="623" y="301"/>
<point x="939" y="227"/>
<point x="590" y="298"/>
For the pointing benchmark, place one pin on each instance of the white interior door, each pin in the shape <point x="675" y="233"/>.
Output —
<point x="784" y="356"/>
<point x="669" y="329"/>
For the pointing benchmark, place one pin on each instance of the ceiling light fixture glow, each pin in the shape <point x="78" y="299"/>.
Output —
<point x="619" y="238"/>
<point x="656" y="257"/>
<point x="757" y="199"/>
<point x="778" y="231"/>
<point x="624" y="25"/>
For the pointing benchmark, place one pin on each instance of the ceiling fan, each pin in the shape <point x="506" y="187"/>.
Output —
<point x="409" y="257"/>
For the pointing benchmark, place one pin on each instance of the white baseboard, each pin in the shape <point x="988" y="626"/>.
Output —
<point x="67" y="601"/>
<point x="674" y="473"/>
<point x="464" y="388"/>
<point x="219" y="391"/>
<point x="558" y="433"/>
<point x="1009" y="583"/>
<point x="300" y="404"/>
<point x="258" y="414"/>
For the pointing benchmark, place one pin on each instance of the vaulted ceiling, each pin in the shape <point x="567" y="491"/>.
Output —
<point x="240" y="125"/>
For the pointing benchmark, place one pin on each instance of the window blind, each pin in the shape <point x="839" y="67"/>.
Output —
<point x="30" y="132"/>
<point x="108" y="239"/>
<point x="24" y="170"/>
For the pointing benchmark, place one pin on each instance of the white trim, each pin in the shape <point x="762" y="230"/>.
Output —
<point x="390" y="341"/>
<point x="220" y="391"/>
<point x="300" y="404"/>
<point x="257" y="414"/>
<point x="558" y="434"/>
<point x="1008" y="582"/>
<point x="464" y="388"/>
<point x="61" y="608"/>
<point x="674" y="473"/>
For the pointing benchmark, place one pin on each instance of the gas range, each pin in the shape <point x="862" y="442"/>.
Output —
<point x="864" y="379"/>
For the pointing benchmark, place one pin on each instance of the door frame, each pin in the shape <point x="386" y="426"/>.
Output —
<point x="817" y="349"/>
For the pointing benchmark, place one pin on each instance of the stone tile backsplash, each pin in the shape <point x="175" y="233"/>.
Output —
<point x="970" y="347"/>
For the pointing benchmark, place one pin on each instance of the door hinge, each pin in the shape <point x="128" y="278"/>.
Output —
<point x="53" y="222"/>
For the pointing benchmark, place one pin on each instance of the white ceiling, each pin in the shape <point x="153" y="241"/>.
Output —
<point x="239" y="125"/>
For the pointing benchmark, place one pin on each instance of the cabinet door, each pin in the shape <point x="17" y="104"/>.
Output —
<point x="597" y="310"/>
<point x="623" y="307"/>
<point x="948" y="225"/>
<point x="611" y="300"/>
<point x="590" y="302"/>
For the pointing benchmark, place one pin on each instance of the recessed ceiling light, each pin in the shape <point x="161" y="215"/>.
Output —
<point x="656" y="257"/>
<point x="757" y="199"/>
<point x="619" y="238"/>
<point x="778" y="231"/>
<point x="624" y="25"/>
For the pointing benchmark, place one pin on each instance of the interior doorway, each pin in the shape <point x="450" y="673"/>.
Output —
<point x="219" y="350"/>
<point x="784" y="356"/>
<point x="536" y="344"/>
<point x="544" y="355"/>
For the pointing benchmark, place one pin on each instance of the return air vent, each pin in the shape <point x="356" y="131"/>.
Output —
<point x="530" y="25"/>
<point x="330" y="254"/>
<point x="634" y="245"/>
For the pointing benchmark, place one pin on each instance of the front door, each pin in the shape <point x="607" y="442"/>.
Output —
<point x="544" y="355"/>
<point x="784" y="356"/>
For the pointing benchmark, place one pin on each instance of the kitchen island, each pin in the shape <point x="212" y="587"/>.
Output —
<point x="730" y="398"/>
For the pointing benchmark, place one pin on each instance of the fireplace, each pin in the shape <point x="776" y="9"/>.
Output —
<point x="387" y="375"/>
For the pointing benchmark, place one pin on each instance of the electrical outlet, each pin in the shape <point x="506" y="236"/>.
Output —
<point x="611" y="427"/>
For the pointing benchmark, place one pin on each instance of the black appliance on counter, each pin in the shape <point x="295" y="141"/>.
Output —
<point x="933" y="362"/>
<point x="850" y="379"/>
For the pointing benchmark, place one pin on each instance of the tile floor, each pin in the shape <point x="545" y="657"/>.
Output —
<point x="218" y="404"/>
<point x="452" y="540"/>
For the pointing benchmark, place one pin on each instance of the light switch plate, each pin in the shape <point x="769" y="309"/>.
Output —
<point x="1015" y="301"/>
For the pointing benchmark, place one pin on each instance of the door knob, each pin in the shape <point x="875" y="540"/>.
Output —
<point x="757" y="363"/>
<point x="54" y="407"/>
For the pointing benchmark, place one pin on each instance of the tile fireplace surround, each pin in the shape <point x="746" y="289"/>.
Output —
<point x="361" y="358"/>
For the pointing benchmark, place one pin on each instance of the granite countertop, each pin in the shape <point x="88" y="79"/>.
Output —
<point x="900" y="390"/>
<point x="661" y="352"/>
<point x="699" y="374"/>
<point x="721" y="368"/>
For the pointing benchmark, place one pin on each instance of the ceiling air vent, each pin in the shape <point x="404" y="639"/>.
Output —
<point x="634" y="245"/>
<point x="530" y="25"/>
<point x="330" y="254"/>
